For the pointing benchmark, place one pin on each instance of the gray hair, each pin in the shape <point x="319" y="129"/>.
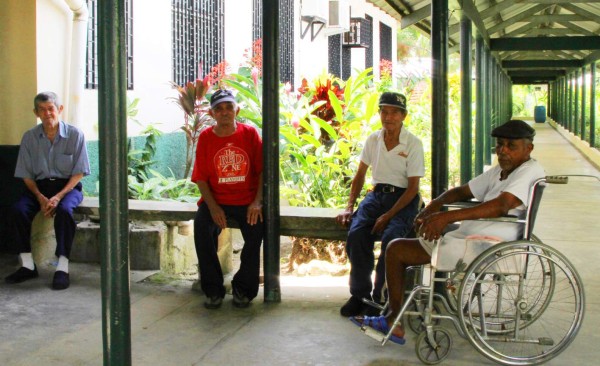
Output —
<point x="47" y="96"/>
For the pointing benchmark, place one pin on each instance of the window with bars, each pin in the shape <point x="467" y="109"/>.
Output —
<point x="91" y="67"/>
<point x="385" y="42"/>
<point x="198" y="38"/>
<point x="286" y="39"/>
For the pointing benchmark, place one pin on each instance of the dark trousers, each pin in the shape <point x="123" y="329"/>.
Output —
<point x="25" y="209"/>
<point x="360" y="243"/>
<point x="206" y="234"/>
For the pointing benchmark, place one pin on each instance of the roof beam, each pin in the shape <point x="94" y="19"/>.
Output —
<point x="593" y="57"/>
<point x="536" y="73"/>
<point x="471" y="12"/>
<point x="574" y="27"/>
<point x="531" y="80"/>
<point x="415" y="17"/>
<point x="545" y="43"/>
<point x="524" y="16"/>
<point x="511" y="64"/>
<point x="577" y="10"/>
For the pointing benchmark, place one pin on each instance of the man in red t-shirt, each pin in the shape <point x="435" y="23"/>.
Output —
<point x="228" y="171"/>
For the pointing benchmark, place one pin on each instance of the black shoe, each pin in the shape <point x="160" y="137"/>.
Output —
<point x="240" y="300"/>
<point x="60" y="281"/>
<point x="213" y="302"/>
<point x="353" y="307"/>
<point x="22" y="274"/>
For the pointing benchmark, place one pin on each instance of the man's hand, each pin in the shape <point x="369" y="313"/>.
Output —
<point x="51" y="205"/>
<point x="381" y="223"/>
<point x="254" y="213"/>
<point x="218" y="216"/>
<point x="432" y="226"/>
<point x="344" y="218"/>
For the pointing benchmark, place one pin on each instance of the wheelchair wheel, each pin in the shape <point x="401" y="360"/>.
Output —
<point x="433" y="350"/>
<point x="416" y="323"/>
<point x="522" y="303"/>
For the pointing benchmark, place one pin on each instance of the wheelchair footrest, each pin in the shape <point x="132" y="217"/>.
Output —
<point x="378" y="336"/>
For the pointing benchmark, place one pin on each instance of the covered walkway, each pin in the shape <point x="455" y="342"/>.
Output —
<point x="171" y="327"/>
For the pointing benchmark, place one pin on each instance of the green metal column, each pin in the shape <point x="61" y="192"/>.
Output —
<point x="593" y="105"/>
<point x="487" y="147"/>
<point x="114" y="228"/>
<point x="565" y="101"/>
<point x="480" y="103"/>
<point x="570" y="103"/>
<point x="272" y="291"/>
<point x="583" y="101"/>
<point x="439" y="99"/>
<point x="576" y="113"/>
<point x="466" y="97"/>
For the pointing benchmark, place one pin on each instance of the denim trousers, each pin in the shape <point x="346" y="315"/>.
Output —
<point x="206" y="239"/>
<point x="25" y="209"/>
<point x="361" y="241"/>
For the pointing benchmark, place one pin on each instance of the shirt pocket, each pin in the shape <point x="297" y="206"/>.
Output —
<point x="64" y="164"/>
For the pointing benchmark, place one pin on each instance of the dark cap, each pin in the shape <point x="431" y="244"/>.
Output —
<point x="393" y="100"/>
<point x="220" y="96"/>
<point x="514" y="129"/>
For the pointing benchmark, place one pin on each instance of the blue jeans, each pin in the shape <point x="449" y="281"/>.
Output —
<point x="206" y="239"/>
<point x="360" y="243"/>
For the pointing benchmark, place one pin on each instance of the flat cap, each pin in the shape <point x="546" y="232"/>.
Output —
<point x="514" y="129"/>
<point x="393" y="100"/>
<point x="220" y="96"/>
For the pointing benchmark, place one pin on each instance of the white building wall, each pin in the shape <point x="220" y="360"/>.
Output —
<point x="153" y="51"/>
<point x="53" y="48"/>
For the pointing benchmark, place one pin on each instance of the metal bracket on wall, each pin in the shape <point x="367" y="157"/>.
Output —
<point x="313" y="21"/>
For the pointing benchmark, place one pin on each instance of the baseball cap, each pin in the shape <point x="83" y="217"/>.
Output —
<point x="393" y="99"/>
<point x="514" y="129"/>
<point x="220" y="96"/>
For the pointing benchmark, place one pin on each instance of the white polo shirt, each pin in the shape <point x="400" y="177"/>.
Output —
<point x="394" y="166"/>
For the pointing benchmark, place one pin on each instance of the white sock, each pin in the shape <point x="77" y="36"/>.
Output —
<point x="63" y="264"/>
<point x="27" y="260"/>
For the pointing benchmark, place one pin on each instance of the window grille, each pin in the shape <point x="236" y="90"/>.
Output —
<point x="359" y="34"/>
<point x="286" y="35"/>
<point x="91" y="67"/>
<point x="369" y="49"/>
<point x="198" y="38"/>
<point x="335" y="55"/>
<point x="385" y="42"/>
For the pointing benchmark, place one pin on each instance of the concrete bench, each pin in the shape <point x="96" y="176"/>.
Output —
<point x="171" y="248"/>
<point x="310" y="222"/>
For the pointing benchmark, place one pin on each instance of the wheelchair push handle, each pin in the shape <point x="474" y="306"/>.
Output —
<point x="557" y="179"/>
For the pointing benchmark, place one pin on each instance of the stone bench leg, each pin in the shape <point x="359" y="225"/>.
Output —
<point x="43" y="241"/>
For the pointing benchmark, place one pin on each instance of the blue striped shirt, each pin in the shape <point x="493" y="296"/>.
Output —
<point x="40" y="159"/>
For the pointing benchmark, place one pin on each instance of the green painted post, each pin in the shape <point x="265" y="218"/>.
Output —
<point x="272" y="291"/>
<point x="487" y="147"/>
<point x="480" y="103"/>
<point x="583" y="101"/>
<point x="114" y="231"/>
<point x="576" y="86"/>
<point x="466" y="133"/>
<point x="593" y="105"/>
<point x="439" y="100"/>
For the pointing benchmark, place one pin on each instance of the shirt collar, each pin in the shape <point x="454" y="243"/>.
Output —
<point x="62" y="130"/>
<point x="402" y="139"/>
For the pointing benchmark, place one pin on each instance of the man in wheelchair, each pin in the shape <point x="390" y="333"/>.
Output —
<point x="502" y="190"/>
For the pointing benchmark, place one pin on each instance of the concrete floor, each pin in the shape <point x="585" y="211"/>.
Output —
<point x="170" y="326"/>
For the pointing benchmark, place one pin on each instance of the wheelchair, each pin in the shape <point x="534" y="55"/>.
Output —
<point x="518" y="303"/>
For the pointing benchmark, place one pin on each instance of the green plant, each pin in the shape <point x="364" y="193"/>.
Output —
<point x="192" y="101"/>
<point x="157" y="187"/>
<point x="139" y="161"/>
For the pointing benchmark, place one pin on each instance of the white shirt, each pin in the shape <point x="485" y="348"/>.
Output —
<point x="394" y="166"/>
<point x="486" y="187"/>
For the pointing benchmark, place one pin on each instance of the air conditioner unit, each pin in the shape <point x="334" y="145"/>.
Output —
<point x="314" y="8"/>
<point x="339" y="17"/>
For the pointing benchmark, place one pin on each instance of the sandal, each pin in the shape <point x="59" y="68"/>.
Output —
<point x="377" y="323"/>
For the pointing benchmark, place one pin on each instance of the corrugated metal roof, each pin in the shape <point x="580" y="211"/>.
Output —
<point x="511" y="29"/>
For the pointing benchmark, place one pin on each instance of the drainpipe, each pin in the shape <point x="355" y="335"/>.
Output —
<point x="76" y="78"/>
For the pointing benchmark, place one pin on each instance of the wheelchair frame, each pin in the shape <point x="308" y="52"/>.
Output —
<point x="518" y="303"/>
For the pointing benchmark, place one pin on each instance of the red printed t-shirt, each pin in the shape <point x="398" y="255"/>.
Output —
<point x="230" y="165"/>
